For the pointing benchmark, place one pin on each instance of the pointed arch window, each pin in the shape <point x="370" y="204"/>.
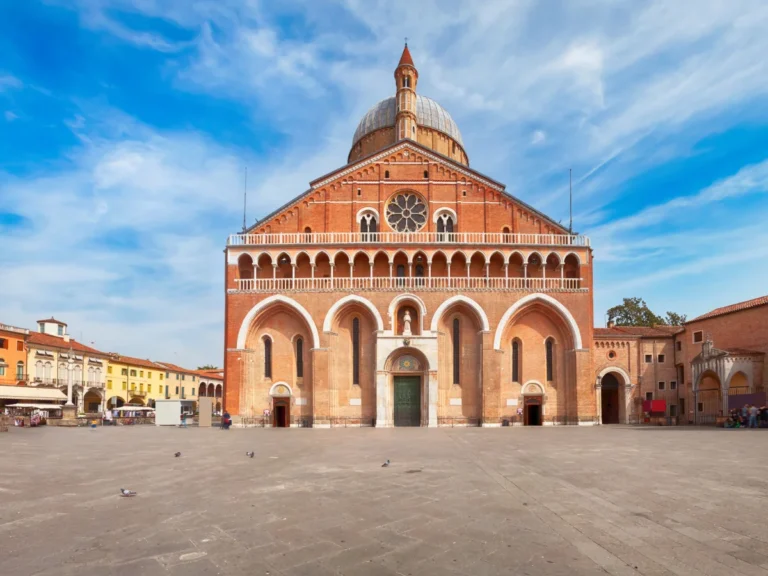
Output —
<point x="515" y="361"/>
<point x="267" y="357"/>
<point x="550" y="353"/>
<point x="456" y="351"/>
<point x="356" y="351"/>
<point x="299" y="358"/>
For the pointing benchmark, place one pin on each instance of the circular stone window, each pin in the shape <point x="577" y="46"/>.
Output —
<point x="406" y="212"/>
<point x="611" y="354"/>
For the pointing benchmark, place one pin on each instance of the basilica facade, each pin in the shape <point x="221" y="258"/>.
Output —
<point x="406" y="288"/>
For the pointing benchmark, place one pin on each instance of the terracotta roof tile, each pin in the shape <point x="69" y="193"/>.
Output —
<point x="743" y="352"/>
<point x="746" y="305"/>
<point x="406" y="57"/>
<point x="53" y="320"/>
<point x="177" y="368"/>
<point x="38" y="339"/>
<point x="639" y="331"/>
<point x="141" y="362"/>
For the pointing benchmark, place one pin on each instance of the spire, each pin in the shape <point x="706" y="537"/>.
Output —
<point x="406" y="57"/>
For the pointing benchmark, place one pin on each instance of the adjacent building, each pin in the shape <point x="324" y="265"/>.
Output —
<point x="13" y="355"/>
<point x="54" y="359"/>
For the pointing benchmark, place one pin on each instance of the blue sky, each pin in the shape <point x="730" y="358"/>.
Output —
<point x="125" y="127"/>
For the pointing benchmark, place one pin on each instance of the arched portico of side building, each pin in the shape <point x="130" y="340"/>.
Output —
<point x="614" y="395"/>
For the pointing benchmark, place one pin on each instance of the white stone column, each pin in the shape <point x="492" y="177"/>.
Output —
<point x="562" y="275"/>
<point x="274" y="271"/>
<point x="293" y="276"/>
<point x="627" y="403"/>
<point x="383" y="401"/>
<point x="429" y="274"/>
<point x="599" y="399"/>
<point x="506" y="274"/>
<point x="468" y="266"/>
<point x="332" y="267"/>
<point x="432" y="399"/>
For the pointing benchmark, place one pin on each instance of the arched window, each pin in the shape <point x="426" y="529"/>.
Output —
<point x="506" y="238"/>
<point x="401" y="274"/>
<point x="515" y="361"/>
<point x="419" y="275"/>
<point x="355" y="351"/>
<point x="368" y="227"/>
<point x="550" y="351"/>
<point x="456" y="351"/>
<point x="299" y="358"/>
<point x="307" y="234"/>
<point x="445" y="227"/>
<point x="386" y="173"/>
<point x="426" y="173"/>
<point x="267" y="357"/>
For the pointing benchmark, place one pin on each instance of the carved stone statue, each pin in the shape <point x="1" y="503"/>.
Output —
<point x="407" y="323"/>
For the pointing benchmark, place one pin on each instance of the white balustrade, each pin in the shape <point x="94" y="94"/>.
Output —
<point x="397" y="238"/>
<point x="277" y="285"/>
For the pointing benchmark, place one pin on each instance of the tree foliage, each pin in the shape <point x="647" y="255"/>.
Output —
<point x="208" y="367"/>
<point x="635" y="312"/>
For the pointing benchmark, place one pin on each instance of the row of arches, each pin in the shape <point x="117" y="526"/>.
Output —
<point x="406" y="264"/>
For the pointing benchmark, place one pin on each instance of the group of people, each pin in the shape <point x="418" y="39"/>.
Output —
<point x="749" y="416"/>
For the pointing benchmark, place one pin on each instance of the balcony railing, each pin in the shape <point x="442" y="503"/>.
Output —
<point x="397" y="238"/>
<point x="410" y="283"/>
<point x="138" y="393"/>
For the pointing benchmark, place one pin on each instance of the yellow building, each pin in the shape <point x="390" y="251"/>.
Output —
<point x="136" y="381"/>
<point x="183" y="383"/>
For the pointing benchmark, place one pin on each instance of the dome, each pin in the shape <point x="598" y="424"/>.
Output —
<point x="428" y="113"/>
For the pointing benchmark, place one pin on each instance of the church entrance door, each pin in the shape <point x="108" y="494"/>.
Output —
<point x="609" y="395"/>
<point x="532" y="413"/>
<point x="407" y="401"/>
<point x="281" y="413"/>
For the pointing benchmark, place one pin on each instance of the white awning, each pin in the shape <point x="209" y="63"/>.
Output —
<point x="38" y="406"/>
<point x="135" y="409"/>
<point x="31" y="393"/>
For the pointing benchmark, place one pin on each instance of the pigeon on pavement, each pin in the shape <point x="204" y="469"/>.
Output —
<point x="249" y="454"/>
<point x="386" y="464"/>
<point x="127" y="493"/>
<point x="177" y="454"/>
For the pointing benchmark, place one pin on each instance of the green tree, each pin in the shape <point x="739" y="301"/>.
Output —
<point x="633" y="312"/>
<point x="675" y="319"/>
<point x="208" y="367"/>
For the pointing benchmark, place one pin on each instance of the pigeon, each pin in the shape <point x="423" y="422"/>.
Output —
<point x="177" y="454"/>
<point x="386" y="464"/>
<point x="127" y="493"/>
<point x="249" y="454"/>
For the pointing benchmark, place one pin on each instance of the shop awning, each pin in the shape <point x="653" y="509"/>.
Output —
<point x="38" y="406"/>
<point x="31" y="393"/>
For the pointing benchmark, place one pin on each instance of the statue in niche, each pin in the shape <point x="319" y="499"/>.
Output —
<point x="407" y="323"/>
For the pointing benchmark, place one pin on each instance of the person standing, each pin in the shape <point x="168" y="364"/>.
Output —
<point x="753" y="411"/>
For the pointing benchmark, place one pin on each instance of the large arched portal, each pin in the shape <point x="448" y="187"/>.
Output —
<point x="537" y="335"/>
<point x="352" y="324"/>
<point x="408" y="386"/>
<point x="277" y="337"/>
<point x="708" y="397"/>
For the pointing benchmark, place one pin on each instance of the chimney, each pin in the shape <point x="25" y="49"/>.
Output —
<point x="610" y="324"/>
<point x="66" y="337"/>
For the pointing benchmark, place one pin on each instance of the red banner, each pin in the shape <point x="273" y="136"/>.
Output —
<point x="655" y="406"/>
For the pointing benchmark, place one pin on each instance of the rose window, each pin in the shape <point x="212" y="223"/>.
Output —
<point x="407" y="213"/>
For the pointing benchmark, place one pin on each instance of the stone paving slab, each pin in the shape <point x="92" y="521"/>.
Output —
<point x="539" y="501"/>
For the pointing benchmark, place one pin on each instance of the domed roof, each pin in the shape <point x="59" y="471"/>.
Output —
<point x="428" y="113"/>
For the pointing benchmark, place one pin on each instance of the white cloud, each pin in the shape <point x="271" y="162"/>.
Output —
<point x="10" y="116"/>
<point x="538" y="137"/>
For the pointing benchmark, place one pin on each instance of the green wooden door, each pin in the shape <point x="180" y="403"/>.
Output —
<point x="407" y="401"/>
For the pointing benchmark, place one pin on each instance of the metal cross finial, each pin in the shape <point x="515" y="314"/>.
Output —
<point x="406" y="40"/>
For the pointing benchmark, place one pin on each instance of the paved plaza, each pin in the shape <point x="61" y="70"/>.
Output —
<point x="616" y="500"/>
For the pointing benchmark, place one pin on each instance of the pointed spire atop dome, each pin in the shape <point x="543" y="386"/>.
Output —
<point x="406" y="59"/>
